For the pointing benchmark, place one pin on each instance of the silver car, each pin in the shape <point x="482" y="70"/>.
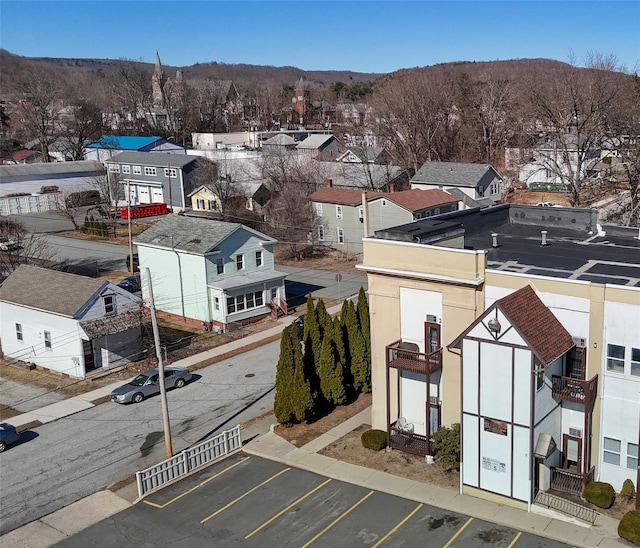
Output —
<point x="147" y="384"/>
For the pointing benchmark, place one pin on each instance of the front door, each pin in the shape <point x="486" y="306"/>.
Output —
<point x="87" y="350"/>
<point x="572" y="451"/>
<point x="432" y="337"/>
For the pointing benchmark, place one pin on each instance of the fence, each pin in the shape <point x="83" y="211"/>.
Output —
<point x="34" y="203"/>
<point x="159" y="475"/>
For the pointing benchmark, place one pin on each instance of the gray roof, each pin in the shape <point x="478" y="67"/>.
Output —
<point x="79" y="167"/>
<point x="314" y="141"/>
<point x="49" y="290"/>
<point x="245" y="280"/>
<point x="468" y="200"/>
<point x="156" y="159"/>
<point x="453" y="173"/>
<point x="280" y="140"/>
<point x="191" y="234"/>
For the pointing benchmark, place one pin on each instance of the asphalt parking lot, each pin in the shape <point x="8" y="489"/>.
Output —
<point x="249" y="501"/>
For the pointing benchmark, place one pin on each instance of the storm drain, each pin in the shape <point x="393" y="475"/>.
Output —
<point x="565" y="506"/>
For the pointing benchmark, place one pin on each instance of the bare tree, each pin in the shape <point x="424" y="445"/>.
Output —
<point x="82" y="126"/>
<point x="133" y="90"/>
<point x="571" y="111"/>
<point x="21" y="247"/>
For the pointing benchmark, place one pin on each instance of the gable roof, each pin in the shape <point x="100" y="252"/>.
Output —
<point x="79" y="168"/>
<point x="191" y="234"/>
<point x="156" y="159"/>
<point x="411" y="200"/>
<point x="280" y="140"/>
<point x="315" y="141"/>
<point x="124" y="142"/>
<point x="541" y="330"/>
<point x="49" y="290"/>
<point x="453" y="173"/>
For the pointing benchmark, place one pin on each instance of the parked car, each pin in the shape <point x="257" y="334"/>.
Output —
<point x="299" y="323"/>
<point x="147" y="384"/>
<point x="546" y="204"/>
<point x="8" y="245"/>
<point x="131" y="283"/>
<point x="8" y="435"/>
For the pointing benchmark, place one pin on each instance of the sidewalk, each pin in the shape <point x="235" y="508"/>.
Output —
<point x="261" y="441"/>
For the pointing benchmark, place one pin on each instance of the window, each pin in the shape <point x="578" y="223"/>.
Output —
<point x="47" y="340"/>
<point x="216" y="303"/>
<point x="493" y="189"/>
<point x="339" y="212"/>
<point x="611" y="451"/>
<point x="137" y="170"/>
<point x="321" y="233"/>
<point x="240" y="261"/>
<point x="151" y="171"/>
<point x="539" y="377"/>
<point x="19" y="335"/>
<point x="635" y="362"/>
<point x="199" y="204"/>
<point x="170" y="172"/>
<point x="340" y="236"/>
<point x="384" y="203"/>
<point x="126" y="169"/>
<point x="319" y="210"/>
<point x="220" y="265"/>
<point x="632" y="456"/>
<point x="244" y="302"/>
<point x="109" y="304"/>
<point x="258" y="258"/>
<point x="114" y="168"/>
<point x="615" y="358"/>
<point x="361" y="214"/>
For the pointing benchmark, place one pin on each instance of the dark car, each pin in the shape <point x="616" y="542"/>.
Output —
<point x="131" y="283"/>
<point x="148" y="384"/>
<point x="8" y="435"/>
<point x="299" y="323"/>
<point x="136" y="263"/>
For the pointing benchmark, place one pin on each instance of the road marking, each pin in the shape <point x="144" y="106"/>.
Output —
<point x="515" y="540"/>
<point x="454" y="537"/>
<point x="286" y="509"/>
<point x="155" y="505"/>
<point x="338" y="519"/>
<point x="244" y="495"/>
<point x="400" y="524"/>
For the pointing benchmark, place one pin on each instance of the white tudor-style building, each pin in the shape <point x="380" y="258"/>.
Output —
<point x="68" y="323"/>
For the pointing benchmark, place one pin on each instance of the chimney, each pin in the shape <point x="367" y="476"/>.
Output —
<point x="329" y="183"/>
<point x="543" y="233"/>
<point x="392" y="187"/>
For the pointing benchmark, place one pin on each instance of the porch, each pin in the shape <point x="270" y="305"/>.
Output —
<point x="404" y="356"/>
<point x="570" y="481"/>
<point x="575" y="390"/>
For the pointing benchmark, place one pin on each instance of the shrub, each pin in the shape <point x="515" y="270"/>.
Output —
<point x="628" y="491"/>
<point x="375" y="440"/>
<point x="629" y="527"/>
<point x="599" y="493"/>
<point x="446" y="445"/>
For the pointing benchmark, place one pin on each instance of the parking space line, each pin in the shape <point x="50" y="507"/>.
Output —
<point x="156" y="505"/>
<point x="454" y="537"/>
<point x="338" y="519"/>
<point x="244" y="495"/>
<point x="515" y="539"/>
<point x="286" y="509"/>
<point x="400" y="524"/>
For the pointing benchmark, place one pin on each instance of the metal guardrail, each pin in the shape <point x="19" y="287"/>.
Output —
<point x="566" y="507"/>
<point x="157" y="476"/>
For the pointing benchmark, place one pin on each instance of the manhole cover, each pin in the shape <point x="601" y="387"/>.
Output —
<point x="249" y="375"/>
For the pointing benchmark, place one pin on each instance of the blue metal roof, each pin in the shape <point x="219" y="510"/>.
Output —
<point x="124" y="142"/>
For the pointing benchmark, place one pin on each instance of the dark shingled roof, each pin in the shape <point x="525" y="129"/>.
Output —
<point x="541" y="330"/>
<point x="49" y="290"/>
<point x="454" y="173"/>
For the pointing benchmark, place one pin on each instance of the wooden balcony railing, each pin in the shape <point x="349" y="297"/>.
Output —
<point x="410" y="360"/>
<point x="567" y="481"/>
<point x="575" y="390"/>
<point x="406" y="441"/>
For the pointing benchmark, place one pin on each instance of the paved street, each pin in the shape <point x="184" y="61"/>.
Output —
<point x="61" y="462"/>
<point x="248" y="501"/>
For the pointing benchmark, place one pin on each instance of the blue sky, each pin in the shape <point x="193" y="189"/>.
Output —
<point x="361" y="36"/>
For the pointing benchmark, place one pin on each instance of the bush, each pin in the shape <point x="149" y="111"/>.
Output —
<point x="599" y="493"/>
<point x="375" y="440"/>
<point x="446" y="445"/>
<point x="629" y="527"/>
<point x="628" y="491"/>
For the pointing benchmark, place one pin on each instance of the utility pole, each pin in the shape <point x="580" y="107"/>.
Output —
<point x="131" y="265"/>
<point x="163" y="389"/>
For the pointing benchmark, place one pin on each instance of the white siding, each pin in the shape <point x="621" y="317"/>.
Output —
<point x="522" y="383"/>
<point x="495" y="461"/>
<point x="495" y="381"/>
<point x="413" y="395"/>
<point x="470" y="376"/>
<point x="521" y="473"/>
<point x="470" y="444"/>
<point x="414" y="307"/>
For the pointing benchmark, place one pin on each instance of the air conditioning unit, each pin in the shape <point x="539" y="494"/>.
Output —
<point x="575" y="432"/>
<point x="432" y="318"/>
<point x="580" y="342"/>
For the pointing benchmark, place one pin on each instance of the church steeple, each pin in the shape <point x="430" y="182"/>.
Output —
<point x="157" y="83"/>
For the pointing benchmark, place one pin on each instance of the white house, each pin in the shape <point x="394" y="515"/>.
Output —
<point x="68" y="323"/>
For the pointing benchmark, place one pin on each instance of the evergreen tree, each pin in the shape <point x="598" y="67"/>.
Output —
<point x="303" y="391"/>
<point x="343" y="311"/>
<point x="323" y="317"/>
<point x="283" y="404"/>
<point x="357" y="351"/>
<point x="363" y="318"/>
<point x="312" y="344"/>
<point x="332" y="382"/>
